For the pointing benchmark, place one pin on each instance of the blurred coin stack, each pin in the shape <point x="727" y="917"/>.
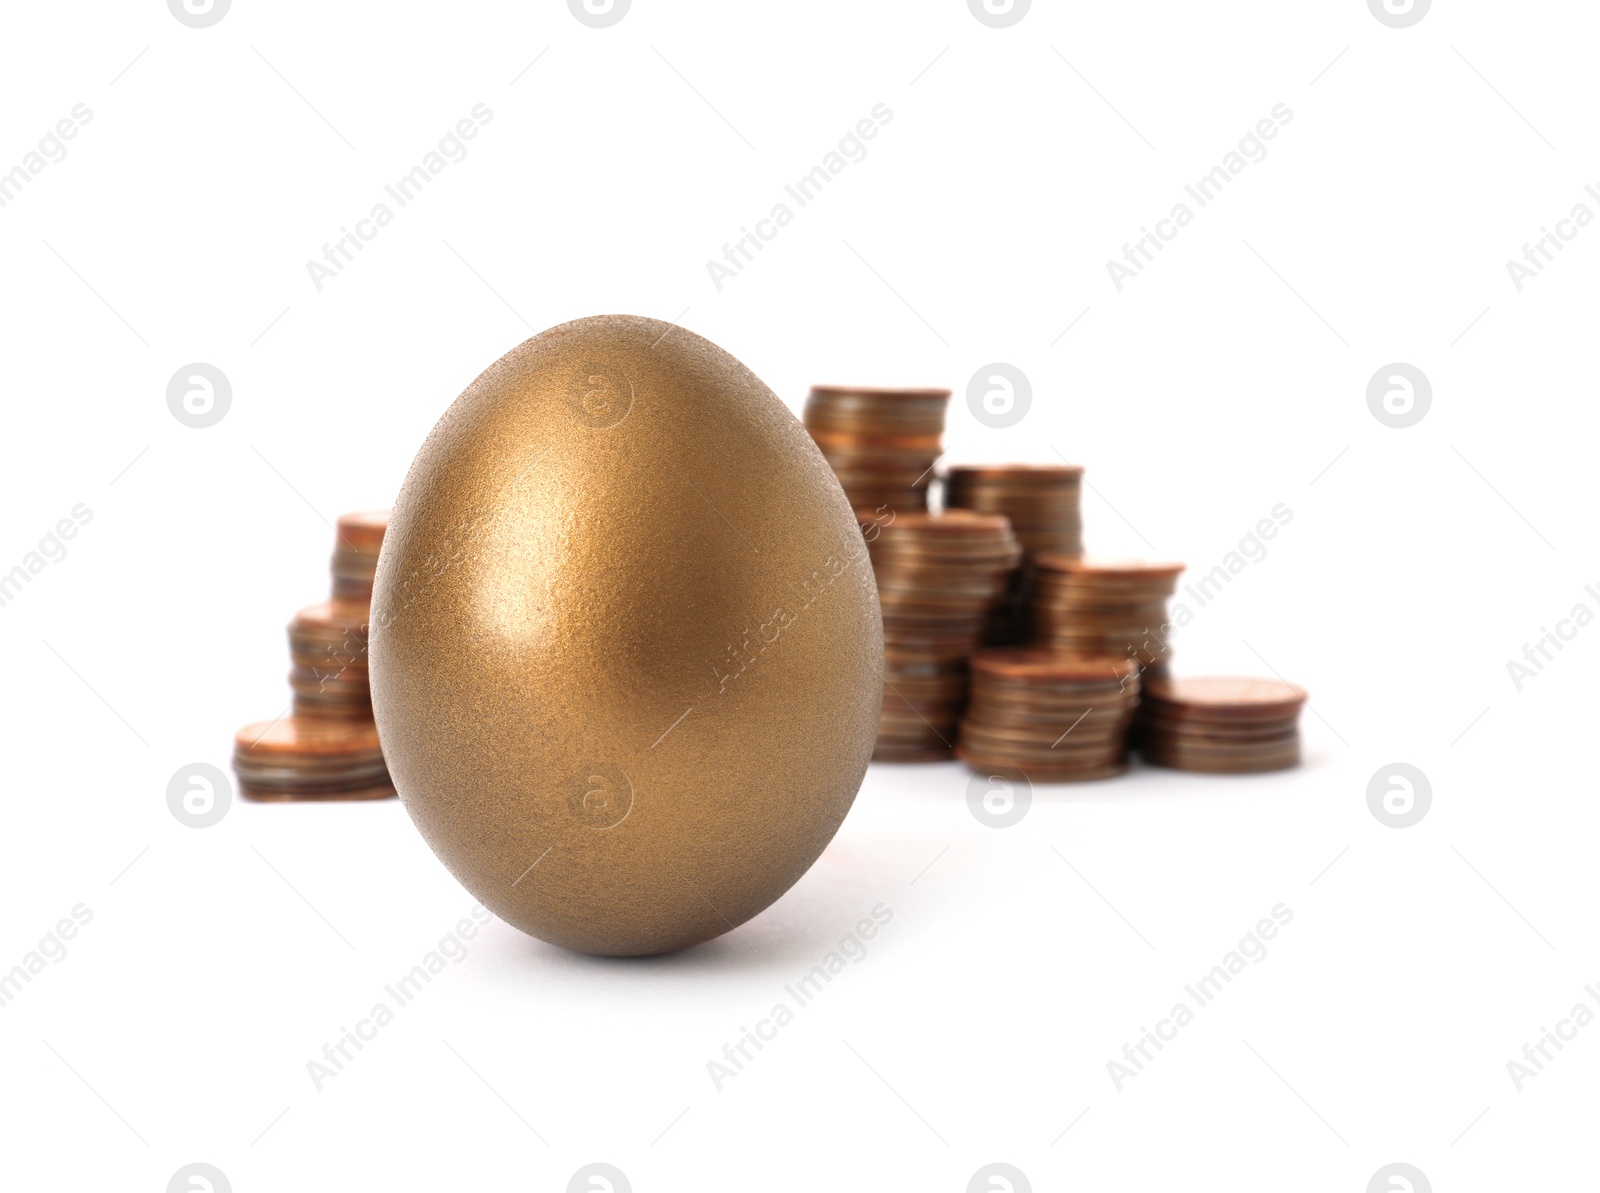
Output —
<point x="1041" y="500"/>
<point x="328" y="746"/>
<point x="881" y="443"/>
<point x="328" y="647"/>
<point x="355" y="555"/>
<point x="1050" y="716"/>
<point x="1104" y="607"/>
<point x="1221" y="725"/>
<point x="304" y="758"/>
<point x="939" y="576"/>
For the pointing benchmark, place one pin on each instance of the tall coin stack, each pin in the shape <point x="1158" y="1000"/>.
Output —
<point x="1049" y="716"/>
<point x="881" y="443"/>
<point x="1042" y="502"/>
<point x="1221" y="725"/>
<point x="1101" y="607"/>
<point x="327" y="748"/>
<point x="939" y="576"/>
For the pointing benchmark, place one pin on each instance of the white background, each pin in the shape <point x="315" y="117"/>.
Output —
<point x="1228" y="377"/>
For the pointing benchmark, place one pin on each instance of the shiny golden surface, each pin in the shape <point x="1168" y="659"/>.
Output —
<point x="625" y="646"/>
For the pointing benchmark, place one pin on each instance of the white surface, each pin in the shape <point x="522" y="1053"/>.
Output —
<point x="219" y="962"/>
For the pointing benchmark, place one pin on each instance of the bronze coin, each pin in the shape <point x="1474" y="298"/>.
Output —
<point x="1112" y="569"/>
<point x="293" y="741"/>
<point x="951" y="522"/>
<point x="904" y="658"/>
<point x="905" y="603"/>
<point x="1245" y="763"/>
<point x="362" y="532"/>
<point x="330" y="682"/>
<point x="880" y="393"/>
<point x="1052" y="511"/>
<point x="942" y="718"/>
<point x="1068" y="746"/>
<point x="1015" y="473"/>
<point x="1042" y="750"/>
<point x="1062" y="710"/>
<point x="299" y="776"/>
<point x="351" y="567"/>
<point x="1202" y="747"/>
<point x="1052" y="694"/>
<point x="925" y="671"/>
<point x="326" y="659"/>
<point x="949" y="683"/>
<point x="1200" y="728"/>
<point x="1007" y="769"/>
<point x="351" y="590"/>
<point x="922" y="738"/>
<point x="345" y="708"/>
<point x="1063" y="590"/>
<point x="1030" y="664"/>
<point x="331" y="620"/>
<point x="833" y="431"/>
<point x="1092" y="719"/>
<point x="269" y="794"/>
<point x="346" y="712"/>
<point x="1228" y="695"/>
<point x="913" y="545"/>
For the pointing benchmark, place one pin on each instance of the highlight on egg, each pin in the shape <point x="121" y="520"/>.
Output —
<point x="626" y="651"/>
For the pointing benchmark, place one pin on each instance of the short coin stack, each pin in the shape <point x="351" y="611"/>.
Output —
<point x="328" y="747"/>
<point x="880" y="443"/>
<point x="328" y="646"/>
<point x="938" y="575"/>
<point x="1103" y="607"/>
<point x="1041" y="500"/>
<point x="303" y="758"/>
<point x="1221" y="725"/>
<point x="1049" y="716"/>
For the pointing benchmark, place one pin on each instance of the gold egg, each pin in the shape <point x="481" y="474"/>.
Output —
<point x="626" y="652"/>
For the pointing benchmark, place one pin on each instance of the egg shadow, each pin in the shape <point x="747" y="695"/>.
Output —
<point x="792" y="935"/>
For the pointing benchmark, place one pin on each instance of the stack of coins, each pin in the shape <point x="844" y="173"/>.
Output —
<point x="1041" y="500"/>
<point x="300" y="758"/>
<point x="881" y="443"/>
<point x="938" y="575"/>
<point x="1103" y="607"/>
<point x="355" y="555"/>
<point x="1048" y="715"/>
<point x="1221" y="725"/>
<point x="328" y="645"/>
<point x="328" y="747"/>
